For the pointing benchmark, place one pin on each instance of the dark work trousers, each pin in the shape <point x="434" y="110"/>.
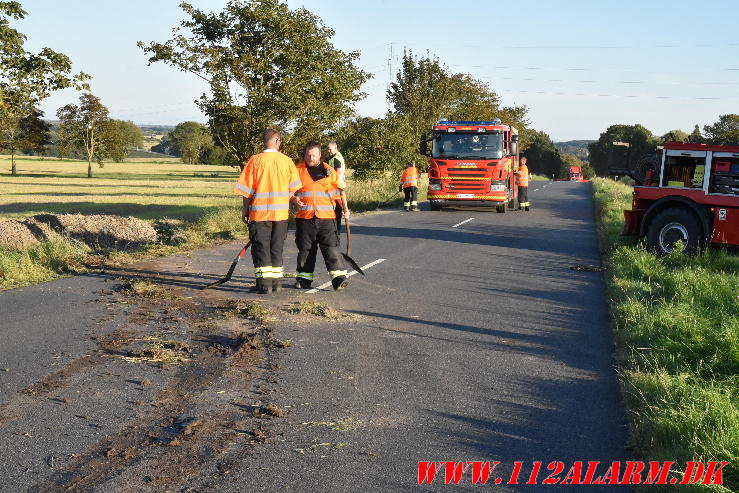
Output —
<point x="311" y="234"/>
<point x="411" y="194"/>
<point x="339" y="211"/>
<point x="523" y="197"/>
<point x="267" y="241"/>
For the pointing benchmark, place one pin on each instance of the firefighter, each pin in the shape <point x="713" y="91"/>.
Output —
<point x="522" y="177"/>
<point x="315" y="223"/>
<point x="267" y="183"/>
<point x="409" y="185"/>
<point x="337" y="162"/>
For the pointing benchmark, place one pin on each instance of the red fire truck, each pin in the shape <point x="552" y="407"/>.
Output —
<point x="686" y="192"/>
<point x="472" y="161"/>
<point x="575" y="173"/>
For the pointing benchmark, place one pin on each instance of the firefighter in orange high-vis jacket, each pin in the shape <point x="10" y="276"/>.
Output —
<point x="315" y="223"/>
<point x="267" y="183"/>
<point x="522" y="177"/>
<point x="409" y="185"/>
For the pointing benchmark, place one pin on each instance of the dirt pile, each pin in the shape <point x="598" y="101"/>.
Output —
<point x="16" y="235"/>
<point x="96" y="231"/>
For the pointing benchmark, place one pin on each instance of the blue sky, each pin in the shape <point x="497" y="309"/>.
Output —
<point x="579" y="66"/>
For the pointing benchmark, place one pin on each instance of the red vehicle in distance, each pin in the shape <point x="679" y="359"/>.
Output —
<point x="685" y="192"/>
<point x="575" y="174"/>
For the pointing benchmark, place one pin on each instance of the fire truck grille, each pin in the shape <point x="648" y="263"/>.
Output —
<point x="477" y="187"/>
<point x="464" y="172"/>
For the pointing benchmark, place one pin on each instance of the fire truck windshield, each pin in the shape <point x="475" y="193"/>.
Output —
<point x="468" y="146"/>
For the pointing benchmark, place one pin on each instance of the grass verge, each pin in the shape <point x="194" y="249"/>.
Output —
<point x="676" y="326"/>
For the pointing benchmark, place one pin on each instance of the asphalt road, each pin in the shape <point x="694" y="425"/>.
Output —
<point x="471" y="338"/>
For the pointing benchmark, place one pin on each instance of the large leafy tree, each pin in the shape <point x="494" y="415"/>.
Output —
<point x="120" y="138"/>
<point x="375" y="146"/>
<point x="674" y="136"/>
<point x="87" y="129"/>
<point x="542" y="155"/>
<point x="266" y="65"/>
<point x="27" y="78"/>
<point x="724" y="131"/>
<point x="641" y="141"/>
<point x="31" y="134"/>
<point x="192" y="141"/>
<point x="424" y="91"/>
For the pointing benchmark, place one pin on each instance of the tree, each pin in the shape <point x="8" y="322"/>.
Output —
<point x="641" y="141"/>
<point x="425" y="91"/>
<point x="30" y="135"/>
<point x="26" y="78"/>
<point x="266" y="65"/>
<point x="542" y="155"/>
<point x="120" y="138"/>
<point x="374" y="146"/>
<point x="674" y="136"/>
<point x="192" y="140"/>
<point x="725" y="131"/>
<point x="86" y="128"/>
<point x="695" y="136"/>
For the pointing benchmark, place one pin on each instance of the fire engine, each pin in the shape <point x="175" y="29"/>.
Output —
<point x="472" y="161"/>
<point x="685" y="192"/>
<point x="575" y="173"/>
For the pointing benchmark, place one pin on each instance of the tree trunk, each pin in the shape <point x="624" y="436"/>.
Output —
<point x="13" y="168"/>
<point x="89" y="167"/>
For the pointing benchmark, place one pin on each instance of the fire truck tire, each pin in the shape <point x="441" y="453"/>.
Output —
<point x="672" y="225"/>
<point x="436" y="205"/>
<point x="500" y="209"/>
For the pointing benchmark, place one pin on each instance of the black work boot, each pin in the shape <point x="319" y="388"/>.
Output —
<point x="276" y="285"/>
<point x="339" y="282"/>
<point x="527" y="208"/>
<point x="303" y="284"/>
<point x="406" y="208"/>
<point x="415" y="208"/>
<point x="263" y="286"/>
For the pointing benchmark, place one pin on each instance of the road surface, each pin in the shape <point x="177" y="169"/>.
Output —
<point x="470" y="338"/>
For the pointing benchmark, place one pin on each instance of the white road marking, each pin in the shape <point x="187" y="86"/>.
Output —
<point x="327" y="284"/>
<point x="465" y="221"/>
<point x="536" y="190"/>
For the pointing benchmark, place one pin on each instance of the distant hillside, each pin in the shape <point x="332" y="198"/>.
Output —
<point x="156" y="129"/>
<point x="577" y="147"/>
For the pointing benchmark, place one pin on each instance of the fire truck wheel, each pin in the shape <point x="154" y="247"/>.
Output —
<point x="673" y="225"/>
<point x="500" y="208"/>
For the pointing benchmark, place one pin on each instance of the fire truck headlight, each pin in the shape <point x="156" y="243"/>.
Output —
<point x="434" y="186"/>
<point x="497" y="188"/>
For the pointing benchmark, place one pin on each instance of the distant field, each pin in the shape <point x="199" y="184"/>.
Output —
<point x="144" y="188"/>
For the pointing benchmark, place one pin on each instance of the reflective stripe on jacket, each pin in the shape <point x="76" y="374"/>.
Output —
<point x="268" y="179"/>
<point x="318" y="197"/>
<point x="523" y="176"/>
<point x="409" y="178"/>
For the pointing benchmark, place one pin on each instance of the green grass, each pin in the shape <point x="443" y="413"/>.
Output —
<point x="676" y="324"/>
<point x="147" y="189"/>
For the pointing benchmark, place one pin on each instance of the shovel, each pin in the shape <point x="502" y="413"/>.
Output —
<point x="347" y="255"/>
<point x="231" y="269"/>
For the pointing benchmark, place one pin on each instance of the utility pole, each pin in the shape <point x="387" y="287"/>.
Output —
<point x="389" y="77"/>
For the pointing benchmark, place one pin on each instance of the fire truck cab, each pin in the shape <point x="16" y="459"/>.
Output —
<point x="575" y="173"/>
<point x="686" y="192"/>
<point x="472" y="161"/>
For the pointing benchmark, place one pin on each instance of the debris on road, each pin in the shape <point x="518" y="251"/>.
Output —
<point x="588" y="268"/>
